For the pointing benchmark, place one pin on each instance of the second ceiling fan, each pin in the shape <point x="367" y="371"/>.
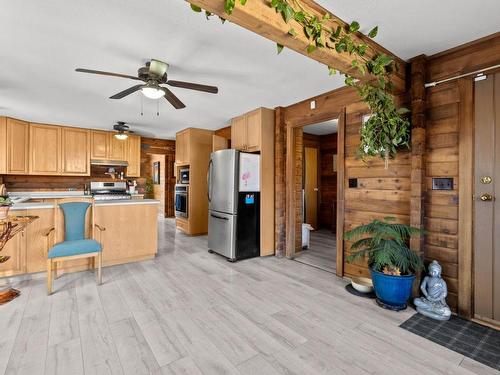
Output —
<point x="153" y="74"/>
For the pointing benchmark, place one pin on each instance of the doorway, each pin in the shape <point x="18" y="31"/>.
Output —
<point x="319" y="198"/>
<point x="486" y="207"/>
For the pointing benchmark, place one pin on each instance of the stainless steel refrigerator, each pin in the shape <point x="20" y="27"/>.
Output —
<point x="234" y="204"/>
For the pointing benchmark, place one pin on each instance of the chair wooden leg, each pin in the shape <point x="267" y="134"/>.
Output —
<point x="54" y="268"/>
<point x="49" y="276"/>
<point x="99" y="268"/>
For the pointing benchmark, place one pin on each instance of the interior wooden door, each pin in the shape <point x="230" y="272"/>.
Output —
<point x="486" y="207"/>
<point x="311" y="185"/>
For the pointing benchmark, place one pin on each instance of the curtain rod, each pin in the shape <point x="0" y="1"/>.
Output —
<point x="435" y="83"/>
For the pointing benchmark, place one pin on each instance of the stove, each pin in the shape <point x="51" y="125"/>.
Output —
<point x="103" y="191"/>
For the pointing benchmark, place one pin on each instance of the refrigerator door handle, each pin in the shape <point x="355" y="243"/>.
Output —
<point x="209" y="179"/>
<point x="219" y="217"/>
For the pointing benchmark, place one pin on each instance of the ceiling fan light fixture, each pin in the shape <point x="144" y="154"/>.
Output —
<point x="121" y="136"/>
<point x="152" y="91"/>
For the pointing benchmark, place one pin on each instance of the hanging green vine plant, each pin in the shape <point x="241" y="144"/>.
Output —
<point x="388" y="127"/>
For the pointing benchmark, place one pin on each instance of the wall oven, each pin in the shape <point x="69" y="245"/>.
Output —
<point x="181" y="200"/>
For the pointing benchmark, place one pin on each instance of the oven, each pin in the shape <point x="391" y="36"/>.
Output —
<point x="181" y="202"/>
<point x="184" y="176"/>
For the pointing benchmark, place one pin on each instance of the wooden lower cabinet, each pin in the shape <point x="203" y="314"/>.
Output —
<point x="16" y="249"/>
<point x="131" y="232"/>
<point x="36" y="251"/>
<point x="130" y="235"/>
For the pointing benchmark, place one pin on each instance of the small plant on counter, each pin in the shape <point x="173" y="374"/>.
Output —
<point x="388" y="128"/>
<point x="5" y="201"/>
<point x="5" y="204"/>
<point x="149" y="187"/>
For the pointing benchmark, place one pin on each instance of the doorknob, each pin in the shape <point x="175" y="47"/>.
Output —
<point x="316" y="189"/>
<point x="486" y="197"/>
<point x="486" y="180"/>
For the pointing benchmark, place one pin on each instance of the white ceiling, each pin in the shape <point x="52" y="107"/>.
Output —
<point x="322" y="128"/>
<point x="43" y="42"/>
<point x="409" y="28"/>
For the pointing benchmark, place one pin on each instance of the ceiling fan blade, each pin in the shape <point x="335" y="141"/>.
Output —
<point x="126" y="92"/>
<point x="158" y="67"/>
<point x="194" y="86"/>
<point x="81" y="70"/>
<point x="174" y="100"/>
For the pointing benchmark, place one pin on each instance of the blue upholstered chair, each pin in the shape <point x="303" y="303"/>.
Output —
<point x="74" y="244"/>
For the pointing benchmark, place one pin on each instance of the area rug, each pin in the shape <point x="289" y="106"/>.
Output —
<point x="462" y="336"/>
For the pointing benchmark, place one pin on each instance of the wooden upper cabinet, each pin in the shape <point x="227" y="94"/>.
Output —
<point x="3" y="145"/>
<point x="75" y="151"/>
<point x="117" y="148"/>
<point x="99" y="144"/>
<point x="17" y="146"/>
<point x="182" y="147"/>
<point x="134" y="156"/>
<point x="253" y="128"/>
<point x="105" y="146"/>
<point x="44" y="149"/>
<point x="246" y="130"/>
<point x="239" y="133"/>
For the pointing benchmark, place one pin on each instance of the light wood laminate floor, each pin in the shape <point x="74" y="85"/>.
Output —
<point x="191" y="312"/>
<point x="322" y="251"/>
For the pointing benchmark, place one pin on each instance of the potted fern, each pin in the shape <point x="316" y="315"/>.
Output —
<point x="392" y="263"/>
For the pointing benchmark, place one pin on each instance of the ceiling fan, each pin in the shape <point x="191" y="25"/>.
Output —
<point x="153" y="74"/>
<point x="122" y="129"/>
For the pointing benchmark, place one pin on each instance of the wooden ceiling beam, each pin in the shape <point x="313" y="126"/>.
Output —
<point x="258" y="17"/>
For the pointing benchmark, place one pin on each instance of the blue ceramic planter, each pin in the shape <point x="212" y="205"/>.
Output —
<point x="393" y="291"/>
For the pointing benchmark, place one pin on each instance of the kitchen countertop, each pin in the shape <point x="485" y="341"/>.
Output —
<point x="40" y="205"/>
<point x="20" y="197"/>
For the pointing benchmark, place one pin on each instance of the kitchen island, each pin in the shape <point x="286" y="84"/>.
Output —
<point x="131" y="234"/>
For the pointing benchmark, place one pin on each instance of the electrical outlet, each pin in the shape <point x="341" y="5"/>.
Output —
<point x="442" y="183"/>
<point x="313" y="104"/>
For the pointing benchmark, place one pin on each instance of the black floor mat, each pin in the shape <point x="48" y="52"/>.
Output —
<point x="462" y="336"/>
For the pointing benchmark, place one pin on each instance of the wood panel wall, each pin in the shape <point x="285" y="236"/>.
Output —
<point x="449" y="153"/>
<point x="447" y="126"/>
<point x="441" y="207"/>
<point x="379" y="193"/>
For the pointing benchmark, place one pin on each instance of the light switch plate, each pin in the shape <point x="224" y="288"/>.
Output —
<point x="313" y="104"/>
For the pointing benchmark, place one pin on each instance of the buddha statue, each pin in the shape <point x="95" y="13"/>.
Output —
<point x="433" y="303"/>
